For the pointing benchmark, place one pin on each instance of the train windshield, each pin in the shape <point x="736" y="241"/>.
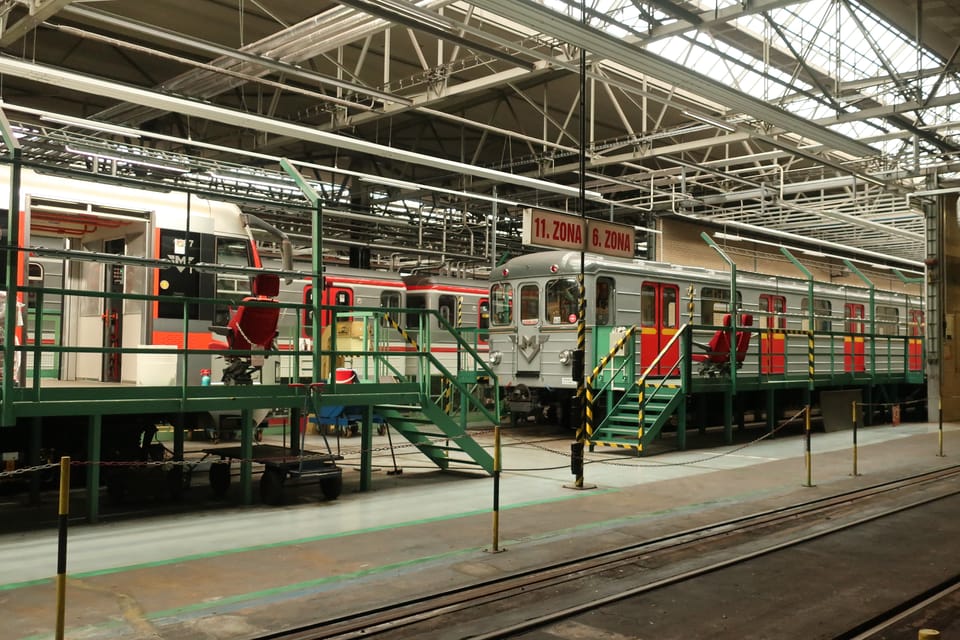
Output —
<point x="562" y="301"/>
<point x="501" y="301"/>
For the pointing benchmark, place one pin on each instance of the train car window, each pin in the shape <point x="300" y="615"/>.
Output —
<point x="822" y="311"/>
<point x="415" y="301"/>
<point x="562" y="299"/>
<point x="604" y="305"/>
<point x="887" y="320"/>
<point x="501" y="296"/>
<point x="448" y="309"/>
<point x="669" y="309"/>
<point x="715" y="303"/>
<point x="34" y="279"/>
<point x="648" y="305"/>
<point x="529" y="303"/>
<point x="389" y="300"/>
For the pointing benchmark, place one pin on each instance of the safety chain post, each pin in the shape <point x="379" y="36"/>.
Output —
<point x="576" y="449"/>
<point x="63" y="512"/>
<point x="940" y="427"/>
<point x="807" y="456"/>
<point x="495" y="547"/>
<point x="853" y="404"/>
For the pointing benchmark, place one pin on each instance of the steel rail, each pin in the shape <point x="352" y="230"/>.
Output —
<point x="394" y="616"/>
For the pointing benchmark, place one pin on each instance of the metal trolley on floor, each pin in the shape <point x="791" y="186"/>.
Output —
<point x="284" y="465"/>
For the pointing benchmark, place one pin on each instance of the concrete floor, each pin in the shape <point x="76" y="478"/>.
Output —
<point x="231" y="572"/>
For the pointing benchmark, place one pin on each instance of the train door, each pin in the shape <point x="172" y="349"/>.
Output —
<point x="112" y="312"/>
<point x="659" y="317"/>
<point x="853" y="360"/>
<point x="529" y="338"/>
<point x="773" y="340"/>
<point x="336" y="297"/>
<point x="915" y="344"/>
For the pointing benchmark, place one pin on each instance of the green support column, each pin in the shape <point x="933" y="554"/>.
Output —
<point x="682" y="426"/>
<point x="771" y="410"/>
<point x="178" y="436"/>
<point x="868" y="406"/>
<point x="94" y="438"/>
<point x="246" y="464"/>
<point x="728" y="417"/>
<point x="36" y="444"/>
<point x="295" y="434"/>
<point x="366" y="449"/>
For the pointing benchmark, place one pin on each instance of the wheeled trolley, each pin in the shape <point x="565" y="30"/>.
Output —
<point x="280" y="465"/>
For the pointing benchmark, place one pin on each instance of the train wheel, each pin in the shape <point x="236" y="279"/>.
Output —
<point x="332" y="486"/>
<point x="220" y="478"/>
<point x="271" y="486"/>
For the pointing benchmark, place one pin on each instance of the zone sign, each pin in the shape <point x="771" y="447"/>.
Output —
<point x="563" y="231"/>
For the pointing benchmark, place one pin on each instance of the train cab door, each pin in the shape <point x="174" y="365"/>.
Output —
<point x="853" y="359"/>
<point x="530" y="339"/>
<point x="915" y="342"/>
<point x="659" y="318"/>
<point x="773" y="340"/>
<point x="112" y="311"/>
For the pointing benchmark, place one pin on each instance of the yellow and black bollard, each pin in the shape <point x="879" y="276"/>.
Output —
<point x="64" y="511"/>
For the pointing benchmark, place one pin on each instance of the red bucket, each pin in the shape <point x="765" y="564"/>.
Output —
<point x="346" y="376"/>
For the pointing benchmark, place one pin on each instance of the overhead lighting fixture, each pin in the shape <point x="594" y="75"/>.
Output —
<point x="720" y="235"/>
<point x="93" y="125"/>
<point x="117" y="155"/>
<point x="403" y="184"/>
<point x="710" y="121"/>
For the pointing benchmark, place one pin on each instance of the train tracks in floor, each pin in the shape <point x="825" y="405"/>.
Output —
<point x="833" y="567"/>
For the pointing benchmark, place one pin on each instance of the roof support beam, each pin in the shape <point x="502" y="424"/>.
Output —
<point x="635" y="57"/>
<point x="66" y="79"/>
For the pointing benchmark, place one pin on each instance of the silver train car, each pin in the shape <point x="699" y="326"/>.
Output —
<point x="534" y="302"/>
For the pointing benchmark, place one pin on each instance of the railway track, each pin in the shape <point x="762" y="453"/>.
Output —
<point x="513" y="605"/>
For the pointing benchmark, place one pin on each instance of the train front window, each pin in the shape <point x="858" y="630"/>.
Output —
<point x="562" y="298"/>
<point x="501" y="297"/>
<point x="529" y="303"/>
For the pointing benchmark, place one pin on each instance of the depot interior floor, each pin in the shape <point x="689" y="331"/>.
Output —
<point x="216" y="570"/>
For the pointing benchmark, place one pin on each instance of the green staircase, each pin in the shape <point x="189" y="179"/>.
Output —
<point x="630" y="425"/>
<point x="437" y="435"/>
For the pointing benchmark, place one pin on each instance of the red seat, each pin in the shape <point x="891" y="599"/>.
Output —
<point x="718" y="349"/>
<point x="251" y="327"/>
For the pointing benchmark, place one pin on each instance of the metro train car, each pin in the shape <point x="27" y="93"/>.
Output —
<point x="534" y="301"/>
<point x="74" y="229"/>
<point x="461" y="305"/>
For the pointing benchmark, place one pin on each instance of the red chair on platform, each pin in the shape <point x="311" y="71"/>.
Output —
<point x="251" y="327"/>
<point x="716" y="359"/>
<point x="717" y="352"/>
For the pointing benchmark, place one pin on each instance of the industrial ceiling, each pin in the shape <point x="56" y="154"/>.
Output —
<point x="426" y="125"/>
